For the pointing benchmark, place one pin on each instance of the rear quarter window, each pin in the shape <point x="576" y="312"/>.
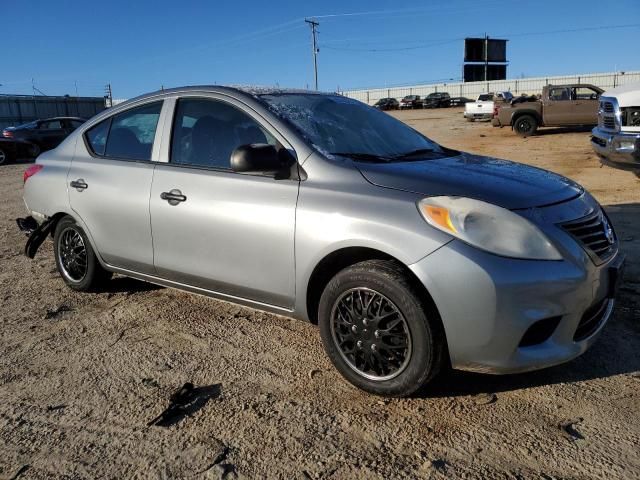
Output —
<point x="97" y="137"/>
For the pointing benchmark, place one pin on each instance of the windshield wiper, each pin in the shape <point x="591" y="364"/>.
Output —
<point x="365" y="157"/>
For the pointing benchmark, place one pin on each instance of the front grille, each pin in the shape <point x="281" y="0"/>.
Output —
<point x="607" y="107"/>
<point x="609" y="123"/>
<point x="591" y="320"/>
<point x="594" y="233"/>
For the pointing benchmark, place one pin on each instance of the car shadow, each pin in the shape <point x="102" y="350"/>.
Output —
<point x="556" y="130"/>
<point x="128" y="285"/>
<point x="615" y="352"/>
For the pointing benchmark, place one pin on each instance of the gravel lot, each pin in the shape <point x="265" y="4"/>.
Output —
<point x="81" y="375"/>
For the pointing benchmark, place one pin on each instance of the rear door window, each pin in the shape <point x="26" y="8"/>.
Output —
<point x="132" y="132"/>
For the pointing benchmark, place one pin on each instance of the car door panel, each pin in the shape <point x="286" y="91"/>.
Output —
<point x="115" y="209"/>
<point x="113" y="195"/>
<point x="234" y="234"/>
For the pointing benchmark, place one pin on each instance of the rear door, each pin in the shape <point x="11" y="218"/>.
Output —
<point x="110" y="183"/>
<point x="50" y="133"/>
<point x="232" y="234"/>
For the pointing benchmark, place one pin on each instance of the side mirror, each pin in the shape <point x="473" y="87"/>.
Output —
<point x="262" y="159"/>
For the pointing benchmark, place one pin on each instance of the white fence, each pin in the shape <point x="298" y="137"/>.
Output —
<point x="516" y="86"/>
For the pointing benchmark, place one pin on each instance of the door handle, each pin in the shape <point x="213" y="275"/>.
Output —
<point x="79" y="184"/>
<point x="174" y="197"/>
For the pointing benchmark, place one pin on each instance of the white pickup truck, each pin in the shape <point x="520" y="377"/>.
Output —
<point x="482" y="108"/>
<point x="616" y="139"/>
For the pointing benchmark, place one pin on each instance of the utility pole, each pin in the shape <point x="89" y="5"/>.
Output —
<point x="486" y="57"/>
<point x="314" y="24"/>
<point x="108" y="95"/>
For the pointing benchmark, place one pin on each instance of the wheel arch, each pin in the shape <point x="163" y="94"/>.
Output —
<point x="342" y="258"/>
<point x="520" y="112"/>
<point x="76" y="218"/>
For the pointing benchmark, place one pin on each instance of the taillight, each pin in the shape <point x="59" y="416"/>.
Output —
<point x="495" y="110"/>
<point x="7" y="134"/>
<point x="30" y="172"/>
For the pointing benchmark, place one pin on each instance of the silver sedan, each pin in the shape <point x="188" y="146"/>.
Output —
<point x="408" y="255"/>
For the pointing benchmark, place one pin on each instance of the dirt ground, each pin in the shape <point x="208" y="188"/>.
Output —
<point x="82" y="375"/>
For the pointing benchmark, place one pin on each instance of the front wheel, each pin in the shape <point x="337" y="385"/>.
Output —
<point x="378" y="330"/>
<point x="525" y="125"/>
<point x="76" y="261"/>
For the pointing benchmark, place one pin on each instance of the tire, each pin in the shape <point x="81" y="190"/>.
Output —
<point x="470" y="119"/>
<point x="525" y="125"/>
<point x="4" y="156"/>
<point x="370" y="364"/>
<point x="78" y="266"/>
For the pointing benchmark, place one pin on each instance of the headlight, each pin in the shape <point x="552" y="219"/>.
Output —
<point x="488" y="227"/>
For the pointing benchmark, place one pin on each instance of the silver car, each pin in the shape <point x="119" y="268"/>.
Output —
<point x="408" y="255"/>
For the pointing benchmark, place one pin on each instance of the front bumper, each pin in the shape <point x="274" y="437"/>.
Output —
<point x="619" y="150"/>
<point x="488" y="303"/>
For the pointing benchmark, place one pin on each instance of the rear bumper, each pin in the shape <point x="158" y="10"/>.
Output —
<point x="619" y="150"/>
<point x="488" y="303"/>
<point x="478" y="115"/>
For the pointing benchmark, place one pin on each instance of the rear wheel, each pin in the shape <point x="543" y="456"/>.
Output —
<point x="378" y="331"/>
<point x="525" y="125"/>
<point x="4" y="156"/>
<point x="470" y="119"/>
<point x="76" y="261"/>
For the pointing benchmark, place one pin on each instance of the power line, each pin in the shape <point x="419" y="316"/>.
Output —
<point x="452" y="40"/>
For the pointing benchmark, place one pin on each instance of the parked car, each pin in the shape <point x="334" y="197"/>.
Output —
<point x="410" y="101"/>
<point x="12" y="150"/>
<point x="437" y="100"/>
<point x="410" y="256"/>
<point x="45" y="134"/>
<point x="484" y="106"/>
<point x="559" y="105"/>
<point x="481" y="109"/>
<point x="387" y="104"/>
<point x="616" y="139"/>
<point x="459" y="101"/>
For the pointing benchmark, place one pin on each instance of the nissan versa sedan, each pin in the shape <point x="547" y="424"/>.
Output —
<point x="409" y="256"/>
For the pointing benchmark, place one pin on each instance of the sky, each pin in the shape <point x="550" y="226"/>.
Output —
<point x="77" y="47"/>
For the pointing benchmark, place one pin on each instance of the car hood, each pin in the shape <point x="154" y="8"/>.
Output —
<point x="500" y="182"/>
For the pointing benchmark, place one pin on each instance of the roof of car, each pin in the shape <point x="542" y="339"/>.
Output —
<point x="61" y="118"/>
<point x="252" y="90"/>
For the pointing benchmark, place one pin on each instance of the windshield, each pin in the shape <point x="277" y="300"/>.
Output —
<point x="343" y="126"/>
